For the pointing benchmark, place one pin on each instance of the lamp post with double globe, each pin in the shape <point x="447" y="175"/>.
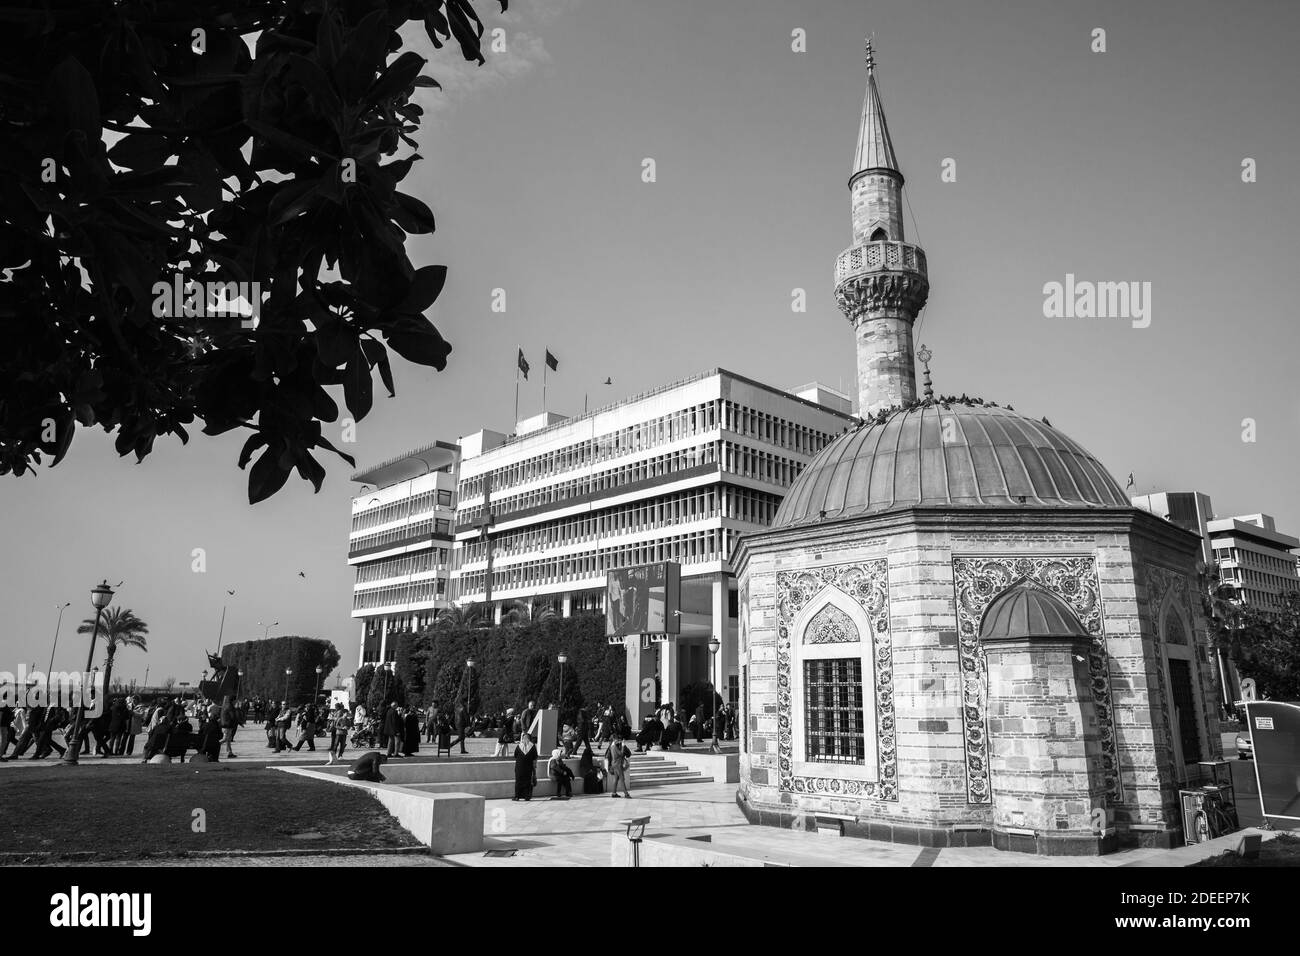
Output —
<point x="100" y="598"/>
<point x="714" y="646"/>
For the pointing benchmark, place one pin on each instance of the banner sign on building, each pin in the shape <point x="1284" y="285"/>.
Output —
<point x="644" y="600"/>
<point x="1275" y="739"/>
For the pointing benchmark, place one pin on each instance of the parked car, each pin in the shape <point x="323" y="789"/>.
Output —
<point x="1244" y="749"/>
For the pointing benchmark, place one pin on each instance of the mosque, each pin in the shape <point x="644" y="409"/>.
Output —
<point x="957" y="631"/>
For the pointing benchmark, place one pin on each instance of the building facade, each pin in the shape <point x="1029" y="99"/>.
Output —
<point x="675" y="474"/>
<point x="1247" y="553"/>
<point x="1256" y="559"/>
<point x="957" y="629"/>
<point x="400" y="544"/>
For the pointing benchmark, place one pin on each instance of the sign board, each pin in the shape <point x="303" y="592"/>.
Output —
<point x="644" y="600"/>
<point x="1275" y="740"/>
<point x="1248" y="688"/>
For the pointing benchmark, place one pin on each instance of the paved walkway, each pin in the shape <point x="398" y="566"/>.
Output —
<point x="577" y="833"/>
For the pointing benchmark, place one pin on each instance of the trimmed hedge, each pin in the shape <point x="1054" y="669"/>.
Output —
<point x="513" y="664"/>
<point x="263" y="663"/>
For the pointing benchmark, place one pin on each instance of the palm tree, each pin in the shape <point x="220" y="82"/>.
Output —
<point x="117" y="627"/>
<point x="520" y="613"/>
<point x="467" y="616"/>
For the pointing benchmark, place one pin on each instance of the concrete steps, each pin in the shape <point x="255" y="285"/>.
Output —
<point x="495" y="779"/>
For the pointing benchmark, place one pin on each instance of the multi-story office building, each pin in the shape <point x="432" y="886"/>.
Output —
<point x="674" y="474"/>
<point x="1255" y="558"/>
<point x="1190" y="510"/>
<point x="400" y="544"/>
<point x="1247" y="553"/>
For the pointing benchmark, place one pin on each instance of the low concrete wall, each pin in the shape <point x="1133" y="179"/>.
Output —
<point x="444" y="822"/>
<point x="723" y="768"/>
<point x="661" y="851"/>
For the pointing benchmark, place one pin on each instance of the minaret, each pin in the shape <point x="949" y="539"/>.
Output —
<point x="880" y="281"/>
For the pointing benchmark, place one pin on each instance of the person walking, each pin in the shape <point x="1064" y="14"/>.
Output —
<point x="229" y="724"/>
<point x="392" y="729"/>
<point x="55" y="719"/>
<point x="411" y="733"/>
<point x="34" y="719"/>
<point x="117" y="724"/>
<point x="6" y="728"/>
<point x="525" y="768"/>
<point x="340" y="723"/>
<point x="134" y="730"/>
<point x="505" y="737"/>
<point x="283" y="721"/>
<point x="462" y="725"/>
<point x="307" y="729"/>
<point x="617" y="759"/>
<point x="272" y="712"/>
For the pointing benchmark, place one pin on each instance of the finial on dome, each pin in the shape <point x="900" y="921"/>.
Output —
<point x="871" y="57"/>
<point x="924" y="354"/>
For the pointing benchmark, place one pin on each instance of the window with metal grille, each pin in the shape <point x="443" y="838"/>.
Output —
<point x="833" y="710"/>
<point x="744" y="714"/>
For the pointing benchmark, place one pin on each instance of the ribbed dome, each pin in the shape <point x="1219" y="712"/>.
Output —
<point x="987" y="457"/>
<point x="1026" y="611"/>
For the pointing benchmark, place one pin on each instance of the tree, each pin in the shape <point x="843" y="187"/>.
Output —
<point x="1263" y="643"/>
<point x="458" y="617"/>
<point x="520" y="612"/>
<point x="362" y="680"/>
<point x="119" y="628"/>
<point x="264" y="664"/>
<point x="169" y="684"/>
<point x="143" y="148"/>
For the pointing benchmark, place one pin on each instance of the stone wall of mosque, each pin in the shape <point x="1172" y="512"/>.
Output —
<point x="921" y="581"/>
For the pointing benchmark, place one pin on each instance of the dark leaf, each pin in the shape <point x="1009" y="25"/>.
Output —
<point x="357" y="386"/>
<point x="412" y="214"/>
<point x="426" y="286"/>
<point x="266" y="477"/>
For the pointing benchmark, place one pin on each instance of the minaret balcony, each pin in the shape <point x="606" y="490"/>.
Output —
<point x="883" y="255"/>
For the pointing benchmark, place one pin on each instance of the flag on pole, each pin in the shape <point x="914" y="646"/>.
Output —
<point x="523" y="363"/>
<point x="552" y="362"/>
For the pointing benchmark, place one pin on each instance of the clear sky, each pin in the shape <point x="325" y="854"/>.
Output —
<point x="1115" y="166"/>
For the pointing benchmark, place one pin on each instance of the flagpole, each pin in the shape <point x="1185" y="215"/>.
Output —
<point x="545" y="365"/>
<point x="516" y="394"/>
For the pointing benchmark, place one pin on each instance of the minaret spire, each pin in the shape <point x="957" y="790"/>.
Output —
<point x="875" y="149"/>
<point x="881" y="283"/>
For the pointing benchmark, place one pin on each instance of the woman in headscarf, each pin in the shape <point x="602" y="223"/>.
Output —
<point x="525" y="768"/>
<point x="412" y="721"/>
<point x="560" y="775"/>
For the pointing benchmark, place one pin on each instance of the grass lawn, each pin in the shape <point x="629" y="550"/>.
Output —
<point x="144" y="810"/>
<point x="1282" y="850"/>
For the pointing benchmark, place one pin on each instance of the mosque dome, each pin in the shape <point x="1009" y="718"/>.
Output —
<point x="960" y="455"/>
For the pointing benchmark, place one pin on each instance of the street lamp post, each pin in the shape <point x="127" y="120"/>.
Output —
<point x="563" y="659"/>
<point x="288" y="672"/>
<point x="319" y="671"/>
<point x="99" y="597"/>
<point x="714" y="646"/>
<point x="267" y="628"/>
<point x="469" y="680"/>
<point x="50" y="669"/>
